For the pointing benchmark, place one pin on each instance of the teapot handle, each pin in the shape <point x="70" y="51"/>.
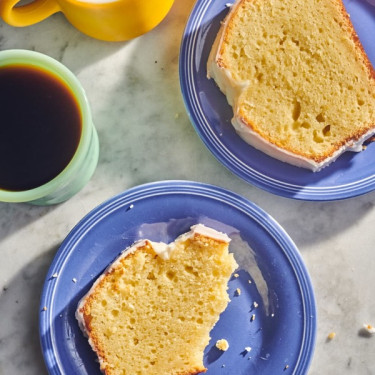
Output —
<point x="28" y="14"/>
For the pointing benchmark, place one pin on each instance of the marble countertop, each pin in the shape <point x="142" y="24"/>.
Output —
<point x="134" y="91"/>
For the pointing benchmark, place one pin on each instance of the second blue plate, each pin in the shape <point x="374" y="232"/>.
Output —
<point x="352" y="174"/>
<point x="282" y="336"/>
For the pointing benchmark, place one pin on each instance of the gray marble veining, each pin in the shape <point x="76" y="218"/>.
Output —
<point x="133" y="88"/>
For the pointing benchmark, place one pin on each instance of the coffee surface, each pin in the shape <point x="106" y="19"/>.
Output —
<point x="40" y="127"/>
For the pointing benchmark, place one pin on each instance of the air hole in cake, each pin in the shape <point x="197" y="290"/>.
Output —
<point x="115" y="313"/>
<point x="104" y="303"/>
<point x="296" y="110"/>
<point x="306" y="125"/>
<point x="327" y="131"/>
<point x="360" y="102"/>
<point x="320" y="118"/>
<point x="317" y="138"/>
<point x="200" y="321"/>
<point x="281" y="42"/>
<point x="171" y="275"/>
<point x="151" y="276"/>
<point x="295" y="41"/>
<point x="189" y="269"/>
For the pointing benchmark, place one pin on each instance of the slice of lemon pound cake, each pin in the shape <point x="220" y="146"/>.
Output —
<point x="152" y="310"/>
<point x="300" y="83"/>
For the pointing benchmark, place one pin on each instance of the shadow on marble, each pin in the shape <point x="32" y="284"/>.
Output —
<point x="15" y="216"/>
<point x="313" y="222"/>
<point x="57" y="38"/>
<point x="19" y="311"/>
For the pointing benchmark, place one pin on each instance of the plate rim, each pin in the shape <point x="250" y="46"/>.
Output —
<point x="223" y="154"/>
<point x="166" y="187"/>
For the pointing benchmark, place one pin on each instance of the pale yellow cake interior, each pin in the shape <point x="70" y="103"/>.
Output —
<point x="309" y="87"/>
<point x="153" y="316"/>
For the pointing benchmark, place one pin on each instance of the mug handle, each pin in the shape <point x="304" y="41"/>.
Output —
<point x="28" y="14"/>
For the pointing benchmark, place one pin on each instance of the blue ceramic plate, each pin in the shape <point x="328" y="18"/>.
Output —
<point x="352" y="174"/>
<point x="283" y="331"/>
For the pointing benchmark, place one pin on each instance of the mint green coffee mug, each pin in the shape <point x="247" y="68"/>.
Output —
<point x="49" y="147"/>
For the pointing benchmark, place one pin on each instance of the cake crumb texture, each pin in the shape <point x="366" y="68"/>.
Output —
<point x="149" y="315"/>
<point x="222" y="344"/>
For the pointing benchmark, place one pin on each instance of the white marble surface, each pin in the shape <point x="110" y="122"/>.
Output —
<point x="134" y="91"/>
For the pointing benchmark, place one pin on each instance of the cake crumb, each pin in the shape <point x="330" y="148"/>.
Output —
<point x="74" y="280"/>
<point x="286" y="367"/>
<point x="45" y="308"/>
<point x="331" y="335"/>
<point x="55" y="275"/>
<point x="369" y="328"/>
<point x="222" y="365"/>
<point x="249" y="281"/>
<point x="252" y="318"/>
<point x="222" y="344"/>
<point x="255" y="304"/>
<point x="247" y="349"/>
<point x="238" y="291"/>
<point x="236" y="275"/>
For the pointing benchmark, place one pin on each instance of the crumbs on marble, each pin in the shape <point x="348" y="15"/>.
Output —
<point x="222" y="344"/>
<point x="369" y="328"/>
<point x="130" y="207"/>
<point x="331" y="336"/>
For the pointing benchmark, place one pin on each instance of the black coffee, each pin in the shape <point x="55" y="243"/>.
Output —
<point x="40" y="127"/>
